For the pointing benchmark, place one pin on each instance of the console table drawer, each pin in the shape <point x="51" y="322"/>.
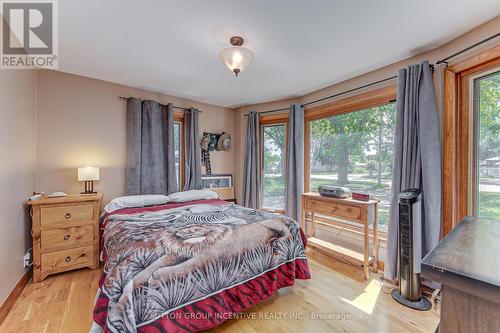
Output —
<point x="348" y="212"/>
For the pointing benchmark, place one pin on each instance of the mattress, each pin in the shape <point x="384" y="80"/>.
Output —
<point x="188" y="267"/>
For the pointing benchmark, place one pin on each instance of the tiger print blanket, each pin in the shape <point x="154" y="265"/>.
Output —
<point x="188" y="268"/>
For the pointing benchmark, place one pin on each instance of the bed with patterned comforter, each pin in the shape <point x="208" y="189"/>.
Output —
<point x="191" y="266"/>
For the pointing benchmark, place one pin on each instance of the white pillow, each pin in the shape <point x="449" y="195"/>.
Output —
<point x="130" y="201"/>
<point x="192" y="195"/>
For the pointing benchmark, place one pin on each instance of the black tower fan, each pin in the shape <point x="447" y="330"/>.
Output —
<point x="410" y="251"/>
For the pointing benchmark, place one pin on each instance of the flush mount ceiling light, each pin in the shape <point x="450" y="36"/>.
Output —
<point x="236" y="57"/>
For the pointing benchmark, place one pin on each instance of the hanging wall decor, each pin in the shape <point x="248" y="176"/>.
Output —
<point x="213" y="142"/>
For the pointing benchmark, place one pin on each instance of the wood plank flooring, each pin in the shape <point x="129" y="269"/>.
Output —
<point x="336" y="292"/>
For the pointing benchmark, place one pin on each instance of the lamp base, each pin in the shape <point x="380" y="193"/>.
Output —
<point x="88" y="193"/>
<point x="89" y="187"/>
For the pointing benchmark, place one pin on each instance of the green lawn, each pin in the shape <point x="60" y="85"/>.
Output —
<point x="489" y="205"/>
<point x="353" y="184"/>
<point x="489" y="202"/>
<point x="274" y="185"/>
<point x="274" y="192"/>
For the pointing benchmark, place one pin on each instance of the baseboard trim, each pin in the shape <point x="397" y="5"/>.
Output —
<point x="14" y="295"/>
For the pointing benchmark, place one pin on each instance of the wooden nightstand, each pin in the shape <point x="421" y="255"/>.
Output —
<point x="65" y="234"/>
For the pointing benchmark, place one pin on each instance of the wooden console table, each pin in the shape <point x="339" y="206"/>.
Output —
<point x="360" y="212"/>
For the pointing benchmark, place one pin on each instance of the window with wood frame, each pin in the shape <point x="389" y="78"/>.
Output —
<point x="179" y="147"/>
<point x="273" y="137"/>
<point x="485" y="153"/>
<point x="351" y="143"/>
<point x="471" y="123"/>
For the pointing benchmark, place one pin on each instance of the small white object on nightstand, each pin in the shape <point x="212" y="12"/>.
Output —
<point x="57" y="194"/>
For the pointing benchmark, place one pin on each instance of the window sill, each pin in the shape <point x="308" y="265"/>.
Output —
<point x="274" y="210"/>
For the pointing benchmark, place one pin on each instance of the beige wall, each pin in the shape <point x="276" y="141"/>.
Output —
<point x="82" y="122"/>
<point x="17" y="151"/>
<point x="486" y="30"/>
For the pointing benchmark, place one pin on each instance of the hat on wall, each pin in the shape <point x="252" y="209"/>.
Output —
<point x="224" y="142"/>
<point x="213" y="141"/>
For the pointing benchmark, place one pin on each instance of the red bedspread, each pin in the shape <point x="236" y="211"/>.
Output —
<point x="229" y="259"/>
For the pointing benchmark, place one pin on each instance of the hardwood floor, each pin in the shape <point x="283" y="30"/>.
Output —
<point x="63" y="303"/>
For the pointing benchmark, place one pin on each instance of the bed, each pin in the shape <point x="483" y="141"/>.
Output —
<point x="187" y="267"/>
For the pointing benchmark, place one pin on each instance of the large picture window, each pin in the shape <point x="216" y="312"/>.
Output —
<point x="273" y="166"/>
<point x="355" y="150"/>
<point x="486" y="145"/>
<point x="471" y="132"/>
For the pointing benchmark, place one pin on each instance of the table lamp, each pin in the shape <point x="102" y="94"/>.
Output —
<point x="88" y="175"/>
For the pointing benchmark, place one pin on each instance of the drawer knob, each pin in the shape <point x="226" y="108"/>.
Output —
<point x="67" y="237"/>
<point x="67" y="216"/>
<point x="67" y="259"/>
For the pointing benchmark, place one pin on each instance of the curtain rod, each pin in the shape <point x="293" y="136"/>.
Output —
<point x="175" y="107"/>
<point x="467" y="49"/>
<point x="443" y="61"/>
<point x="331" y="96"/>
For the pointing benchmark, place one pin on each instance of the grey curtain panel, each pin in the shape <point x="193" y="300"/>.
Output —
<point x="294" y="181"/>
<point x="417" y="158"/>
<point x="192" y="150"/>
<point x="251" y="179"/>
<point x="150" y="167"/>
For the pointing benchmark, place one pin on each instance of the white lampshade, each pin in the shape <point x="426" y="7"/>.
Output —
<point x="236" y="58"/>
<point x="88" y="174"/>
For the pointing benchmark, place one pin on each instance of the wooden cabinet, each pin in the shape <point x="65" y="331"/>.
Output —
<point x="225" y="193"/>
<point x="65" y="234"/>
<point x="359" y="212"/>
<point x="467" y="265"/>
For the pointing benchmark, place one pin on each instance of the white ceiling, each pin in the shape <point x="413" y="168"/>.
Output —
<point x="300" y="46"/>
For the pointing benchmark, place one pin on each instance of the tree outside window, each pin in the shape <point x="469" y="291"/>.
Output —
<point x="355" y="150"/>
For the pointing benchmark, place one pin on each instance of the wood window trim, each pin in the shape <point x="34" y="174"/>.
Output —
<point x="456" y="134"/>
<point x="359" y="102"/>
<point x="274" y="119"/>
<point x="277" y="118"/>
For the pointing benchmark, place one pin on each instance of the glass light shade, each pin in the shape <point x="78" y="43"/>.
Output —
<point x="236" y="58"/>
<point x="88" y="174"/>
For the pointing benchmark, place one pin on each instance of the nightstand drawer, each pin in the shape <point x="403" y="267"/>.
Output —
<point x="66" y="238"/>
<point x="332" y="208"/>
<point x="66" y="216"/>
<point x="67" y="259"/>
